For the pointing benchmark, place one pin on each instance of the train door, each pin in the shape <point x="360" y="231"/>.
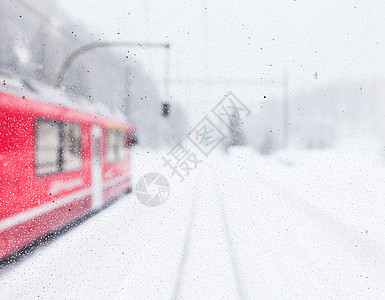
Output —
<point x="96" y="168"/>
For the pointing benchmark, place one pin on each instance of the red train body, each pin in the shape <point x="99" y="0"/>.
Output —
<point x="56" y="164"/>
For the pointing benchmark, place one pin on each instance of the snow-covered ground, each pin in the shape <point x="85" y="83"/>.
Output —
<point x="297" y="224"/>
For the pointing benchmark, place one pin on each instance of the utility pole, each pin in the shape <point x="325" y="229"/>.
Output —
<point x="285" y="111"/>
<point x="167" y="67"/>
<point x="205" y="44"/>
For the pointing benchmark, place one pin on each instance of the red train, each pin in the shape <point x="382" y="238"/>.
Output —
<point x="56" y="164"/>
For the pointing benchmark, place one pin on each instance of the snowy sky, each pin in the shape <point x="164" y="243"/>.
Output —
<point x="315" y="42"/>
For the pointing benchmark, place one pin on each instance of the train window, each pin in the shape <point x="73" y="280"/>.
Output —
<point x="58" y="147"/>
<point x="116" y="149"/>
<point x="110" y="145"/>
<point x="120" y="142"/>
<point x="131" y="139"/>
<point x="47" y="147"/>
<point x="71" y="147"/>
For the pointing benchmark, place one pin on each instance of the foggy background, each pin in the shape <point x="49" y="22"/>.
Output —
<point x="314" y="67"/>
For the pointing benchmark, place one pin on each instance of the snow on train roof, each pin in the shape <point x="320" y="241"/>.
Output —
<point x="38" y="91"/>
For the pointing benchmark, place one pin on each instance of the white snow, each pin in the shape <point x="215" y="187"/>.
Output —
<point x="23" y="54"/>
<point x="298" y="224"/>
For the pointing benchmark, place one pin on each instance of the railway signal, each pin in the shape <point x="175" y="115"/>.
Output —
<point x="165" y="109"/>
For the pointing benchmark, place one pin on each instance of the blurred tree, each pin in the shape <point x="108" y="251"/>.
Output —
<point x="236" y="135"/>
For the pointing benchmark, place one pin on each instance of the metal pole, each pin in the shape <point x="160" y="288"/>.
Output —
<point x="285" y="113"/>
<point x="67" y="63"/>
<point x="167" y="70"/>
<point x="205" y="45"/>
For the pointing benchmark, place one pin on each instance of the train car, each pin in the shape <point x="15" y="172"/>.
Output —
<point x="56" y="165"/>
